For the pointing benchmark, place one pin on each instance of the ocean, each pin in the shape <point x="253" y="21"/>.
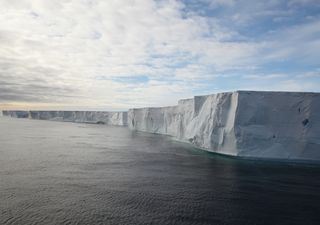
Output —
<point x="69" y="173"/>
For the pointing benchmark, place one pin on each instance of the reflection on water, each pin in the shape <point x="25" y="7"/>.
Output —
<point x="66" y="173"/>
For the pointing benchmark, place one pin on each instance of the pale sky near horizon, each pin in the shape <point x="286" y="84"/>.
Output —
<point x="120" y="54"/>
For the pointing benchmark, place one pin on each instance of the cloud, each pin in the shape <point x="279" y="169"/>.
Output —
<point x="311" y="74"/>
<point x="265" y="76"/>
<point x="220" y="3"/>
<point x="117" y="54"/>
<point x="300" y="43"/>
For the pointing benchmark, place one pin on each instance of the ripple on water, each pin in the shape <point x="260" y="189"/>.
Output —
<point x="66" y="173"/>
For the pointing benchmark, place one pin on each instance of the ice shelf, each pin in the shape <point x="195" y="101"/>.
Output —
<point x="280" y="125"/>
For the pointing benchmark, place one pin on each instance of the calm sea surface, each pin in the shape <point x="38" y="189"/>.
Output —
<point x="67" y="173"/>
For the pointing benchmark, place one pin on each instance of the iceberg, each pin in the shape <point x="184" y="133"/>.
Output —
<point x="255" y="124"/>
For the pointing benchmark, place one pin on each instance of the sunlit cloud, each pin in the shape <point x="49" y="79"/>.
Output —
<point x="118" y="54"/>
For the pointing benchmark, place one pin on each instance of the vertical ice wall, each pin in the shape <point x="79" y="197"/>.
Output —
<point x="16" y="114"/>
<point x="278" y="125"/>
<point x="109" y="118"/>
<point x="205" y="121"/>
<point x="242" y="123"/>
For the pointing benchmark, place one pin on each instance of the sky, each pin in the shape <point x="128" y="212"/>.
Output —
<point x="120" y="54"/>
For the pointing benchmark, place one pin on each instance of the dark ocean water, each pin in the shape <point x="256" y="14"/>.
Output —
<point x="67" y="173"/>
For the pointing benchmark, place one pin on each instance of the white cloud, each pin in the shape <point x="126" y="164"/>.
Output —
<point x="302" y="2"/>
<point x="69" y="43"/>
<point x="217" y="3"/>
<point x="300" y="42"/>
<point x="310" y="74"/>
<point x="265" y="76"/>
<point x="54" y="51"/>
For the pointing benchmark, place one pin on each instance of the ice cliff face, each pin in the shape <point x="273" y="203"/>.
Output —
<point x="283" y="125"/>
<point x="244" y="123"/>
<point x="109" y="118"/>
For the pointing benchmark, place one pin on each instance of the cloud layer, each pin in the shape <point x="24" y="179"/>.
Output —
<point x="117" y="54"/>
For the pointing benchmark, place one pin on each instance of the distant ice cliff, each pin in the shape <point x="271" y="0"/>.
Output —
<point x="109" y="118"/>
<point x="282" y="125"/>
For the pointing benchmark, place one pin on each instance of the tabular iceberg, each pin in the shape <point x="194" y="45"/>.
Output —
<point x="282" y="125"/>
<point x="243" y="123"/>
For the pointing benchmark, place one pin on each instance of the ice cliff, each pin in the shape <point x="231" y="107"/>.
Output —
<point x="244" y="123"/>
<point x="109" y="118"/>
<point x="283" y="125"/>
